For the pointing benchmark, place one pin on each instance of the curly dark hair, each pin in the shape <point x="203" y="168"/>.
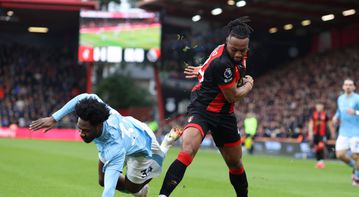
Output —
<point x="239" y="27"/>
<point x="90" y="109"/>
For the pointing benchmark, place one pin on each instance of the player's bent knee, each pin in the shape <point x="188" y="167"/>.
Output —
<point x="340" y="156"/>
<point x="235" y="164"/>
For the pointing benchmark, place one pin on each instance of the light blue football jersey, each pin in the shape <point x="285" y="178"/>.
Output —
<point x="121" y="137"/>
<point x="349" y="124"/>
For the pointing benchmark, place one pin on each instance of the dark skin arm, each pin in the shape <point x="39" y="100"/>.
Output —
<point x="235" y="93"/>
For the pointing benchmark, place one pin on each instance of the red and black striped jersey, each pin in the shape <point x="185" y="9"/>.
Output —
<point x="320" y="120"/>
<point x="218" y="72"/>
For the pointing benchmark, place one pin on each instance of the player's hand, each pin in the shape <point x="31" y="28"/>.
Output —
<point x="191" y="71"/>
<point x="351" y="111"/>
<point x="248" y="79"/>
<point x="43" y="123"/>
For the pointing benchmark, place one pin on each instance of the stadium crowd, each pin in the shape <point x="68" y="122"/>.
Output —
<point x="284" y="98"/>
<point x="34" y="82"/>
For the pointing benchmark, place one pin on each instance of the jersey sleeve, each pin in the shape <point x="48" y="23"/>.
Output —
<point x="115" y="158"/>
<point x="224" y="74"/>
<point x="69" y="107"/>
<point x="111" y="178"/>
<point x="112" y="168"/>
<point x="337" y="113"/>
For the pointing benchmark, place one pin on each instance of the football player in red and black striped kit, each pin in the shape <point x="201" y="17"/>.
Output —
<point x="318" y="131"/>
<point x="222" y="82"/>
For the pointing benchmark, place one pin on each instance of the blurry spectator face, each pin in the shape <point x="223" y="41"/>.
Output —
<point x="348" y="86"/>
<point x="237" y="48"/>
<point x="319" y="107"/>
<point x="88" y="132"/>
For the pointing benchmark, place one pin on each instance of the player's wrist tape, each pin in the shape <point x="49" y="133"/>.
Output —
<point x="357" y="112"/>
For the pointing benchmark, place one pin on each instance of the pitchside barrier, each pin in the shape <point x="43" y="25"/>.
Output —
<point x="53" y="134"/>
<point x="282" y="146"/>
<point x="269" y="146"/>
<point x="290" y="147"/>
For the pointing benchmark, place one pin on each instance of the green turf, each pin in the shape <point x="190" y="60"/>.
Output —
<point x="141" y="38"/>
<point x="52" y="168"/>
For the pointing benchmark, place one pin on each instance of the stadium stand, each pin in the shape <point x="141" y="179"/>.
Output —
<point x="34" y="82"/>
<point x="284" y="98"/>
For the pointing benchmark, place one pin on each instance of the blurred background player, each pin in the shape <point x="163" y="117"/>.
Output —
<point x="250" y="129"/>
<point x="347" y="116"/>
<point x="212" y="108"/>
<point x="120" y="141"/>
<point x="318" y="127"/>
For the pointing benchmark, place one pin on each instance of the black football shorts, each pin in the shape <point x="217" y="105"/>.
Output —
<point x="223" y="127"/>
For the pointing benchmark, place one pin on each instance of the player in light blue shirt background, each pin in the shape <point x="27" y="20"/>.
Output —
<point x="121" y="141"/>
<point x="347" y="117"/>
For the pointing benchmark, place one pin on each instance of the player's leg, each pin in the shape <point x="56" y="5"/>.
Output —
<point x="342" y="146"/>
<point x="354" y="147"/>
<point x="228" y="141"/>
<point x="319" y="151"/>
<point x="170" y="139"/>
<point x="248" y="143"/>
<point x="193" y="134"/>
<point x="137" y="189"/>
<point x="192" y="139"/>
<point x="356" y="169"/>
<point x="233" y="158"/>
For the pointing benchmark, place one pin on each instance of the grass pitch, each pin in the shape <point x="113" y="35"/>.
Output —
<point x="31" y="168"/>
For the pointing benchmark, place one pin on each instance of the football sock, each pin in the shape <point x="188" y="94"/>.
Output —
<point x="320" y="155"/>
<point x="175" y="173"/>
<point x="351" y="163"/>
<point x="239" y="181"/>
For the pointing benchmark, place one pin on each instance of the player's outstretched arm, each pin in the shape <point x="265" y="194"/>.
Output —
<point x="43" y="123"/>
<point x="111" y="178"/>
<point x="192" y="71"/>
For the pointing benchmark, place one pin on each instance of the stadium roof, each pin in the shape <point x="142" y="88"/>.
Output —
<point x="264" y="13"/>
<point x="49" y="4"/>
<point x="59" y="16"/>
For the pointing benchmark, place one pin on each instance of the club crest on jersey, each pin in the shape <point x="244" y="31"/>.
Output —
<point x="190" y="119"/>
<point x="228" y="73"/>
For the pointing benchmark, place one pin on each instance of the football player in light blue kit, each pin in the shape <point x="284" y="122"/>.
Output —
<point x="121" y="141"/>
<point x="347" y="116"/>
